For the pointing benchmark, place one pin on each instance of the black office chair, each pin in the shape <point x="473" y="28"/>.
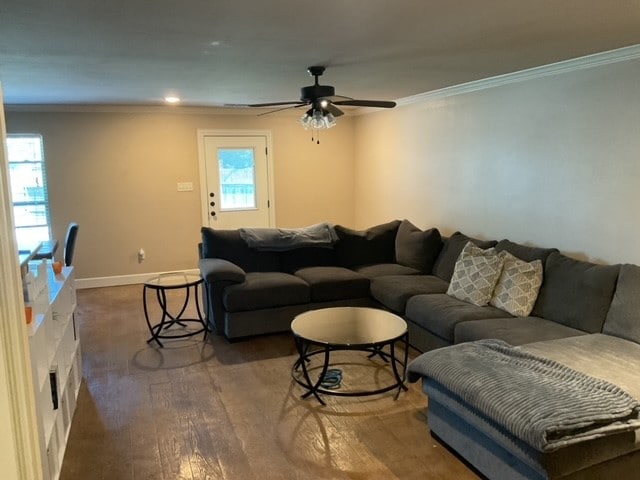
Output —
<point x="70" y="243"/>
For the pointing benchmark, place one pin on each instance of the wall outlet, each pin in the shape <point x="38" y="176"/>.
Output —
<point x="185" y="186"/>
<point x="141" y="255"/>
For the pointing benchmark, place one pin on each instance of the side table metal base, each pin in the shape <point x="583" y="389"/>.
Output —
<point x="159" y="330"/>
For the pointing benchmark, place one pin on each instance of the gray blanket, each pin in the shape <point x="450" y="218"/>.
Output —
<point x="282" y="239"/>
<point x="543" y="403"/>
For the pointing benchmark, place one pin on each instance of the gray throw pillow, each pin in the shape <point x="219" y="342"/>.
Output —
<point x="416" y="248"/>
<point x="475" y="275"/>
<point x="518" y="286"/>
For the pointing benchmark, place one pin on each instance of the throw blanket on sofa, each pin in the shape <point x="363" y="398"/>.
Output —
<point x="542" y="402"/>
<point x="282" y="239"/>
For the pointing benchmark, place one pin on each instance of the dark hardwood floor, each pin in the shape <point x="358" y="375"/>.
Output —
<point x="215" y="410"/>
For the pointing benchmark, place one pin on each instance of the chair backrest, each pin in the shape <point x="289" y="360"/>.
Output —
<point x="70" y="243"/>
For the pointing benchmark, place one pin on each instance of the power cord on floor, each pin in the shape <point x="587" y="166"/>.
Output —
<point x="332" y="379"/>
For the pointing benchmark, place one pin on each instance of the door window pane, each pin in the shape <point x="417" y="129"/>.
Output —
<point x="237" y="178"/>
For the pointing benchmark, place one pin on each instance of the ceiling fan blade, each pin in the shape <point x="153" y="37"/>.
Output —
<point x="333" y="110"/>
<point x="366" y="103"/>
<point x="274" y="104"/>
<point x="280" y="109"/>
<point x="336" y="98"/>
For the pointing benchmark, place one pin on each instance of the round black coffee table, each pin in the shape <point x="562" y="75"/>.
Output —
<point x="320" y="332"/>
<point x="171" y="281"/>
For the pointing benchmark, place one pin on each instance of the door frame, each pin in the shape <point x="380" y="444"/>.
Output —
<point x="20" y="452"/>
<point x="202" y="168"/>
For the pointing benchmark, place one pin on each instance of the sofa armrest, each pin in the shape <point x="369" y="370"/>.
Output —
<point x="219" y="270"/>
<point x="218" y="274"/>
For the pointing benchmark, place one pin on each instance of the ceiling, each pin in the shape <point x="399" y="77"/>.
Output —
<point x="217" y="52"/>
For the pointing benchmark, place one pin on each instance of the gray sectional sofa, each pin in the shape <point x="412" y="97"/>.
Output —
<point x="586" y="316"/>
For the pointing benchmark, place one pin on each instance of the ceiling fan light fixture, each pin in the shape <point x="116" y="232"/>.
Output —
<point x="317" y="119"/>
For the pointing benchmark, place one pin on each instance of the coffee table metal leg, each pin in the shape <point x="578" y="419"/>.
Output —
<point x="312" y="388"/>
<point x="394" y="365"/>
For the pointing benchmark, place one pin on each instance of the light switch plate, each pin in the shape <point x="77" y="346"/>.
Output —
<point x="185" y="186"/>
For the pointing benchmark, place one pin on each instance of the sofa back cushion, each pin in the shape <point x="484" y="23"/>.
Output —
<point x="228" y="245"/>
<point x="523" y="252"/>
<point x="366" y="247"/>
<point x="576" y="293"/>
<point x="446" y="261"/>
<point x="623" y="319"/>
<point x="293" y="260"/>
<point x="415" y="248"/>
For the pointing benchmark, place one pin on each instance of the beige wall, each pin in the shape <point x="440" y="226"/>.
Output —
<point x="115" y="173"/>
<point x="553" y="161"/>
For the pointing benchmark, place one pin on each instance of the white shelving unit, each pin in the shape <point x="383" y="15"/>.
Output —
<point x="55" y="360"/>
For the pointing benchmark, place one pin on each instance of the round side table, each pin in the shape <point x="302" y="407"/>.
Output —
<point x="172" y="281"/>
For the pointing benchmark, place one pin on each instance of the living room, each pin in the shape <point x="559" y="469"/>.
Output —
<point x="546" y="156"/>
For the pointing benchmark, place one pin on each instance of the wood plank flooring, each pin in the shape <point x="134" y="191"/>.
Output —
<point x="215" y="410"/>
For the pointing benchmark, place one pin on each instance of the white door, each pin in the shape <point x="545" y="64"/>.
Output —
<point x="236" y="187"/>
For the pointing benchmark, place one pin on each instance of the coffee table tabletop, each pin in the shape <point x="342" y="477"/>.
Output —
<point x="348" y="326"/>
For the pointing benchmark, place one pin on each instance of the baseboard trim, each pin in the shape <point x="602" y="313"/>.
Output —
<point x="118" y="280"/>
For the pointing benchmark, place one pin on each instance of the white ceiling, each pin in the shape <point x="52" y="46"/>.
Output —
<point x="217" y="52"/>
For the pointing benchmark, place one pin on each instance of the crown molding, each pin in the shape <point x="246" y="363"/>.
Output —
<point x="97" y="108"/>
<point x="595" y="60"/>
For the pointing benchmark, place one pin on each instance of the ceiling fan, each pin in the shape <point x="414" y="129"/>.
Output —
<point x="323" y="101"/>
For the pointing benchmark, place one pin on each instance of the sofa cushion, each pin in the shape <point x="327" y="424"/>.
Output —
<point x="516" y="331"/>
<point x="518" y="286"/>
<point x="228" y="245"/>
<point x="334" y="283"/>
<point x="393" y="291"/>
<point x="439" y="313"/>
<point x="576" y="293"/>
<point x="367" y="247"/>
<point x="265" y="290"/>
<point x="446" y="261"/>
<point x="475" y="274"/>
<point x="417" y="249"/>
<point x="623" y="318"/>
<point x="523" y="252"/>
<point x="384" y="269"/>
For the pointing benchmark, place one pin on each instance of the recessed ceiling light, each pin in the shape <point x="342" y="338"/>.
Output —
<point x="172" y="99"/>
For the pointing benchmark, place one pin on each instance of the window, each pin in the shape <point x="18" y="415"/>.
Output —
<point x="28" y="179"/>
<point x="237" y="178"/>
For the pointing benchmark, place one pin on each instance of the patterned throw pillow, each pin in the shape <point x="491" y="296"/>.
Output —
<point x="475" y="274"/>
<point x="518" y="285"/>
